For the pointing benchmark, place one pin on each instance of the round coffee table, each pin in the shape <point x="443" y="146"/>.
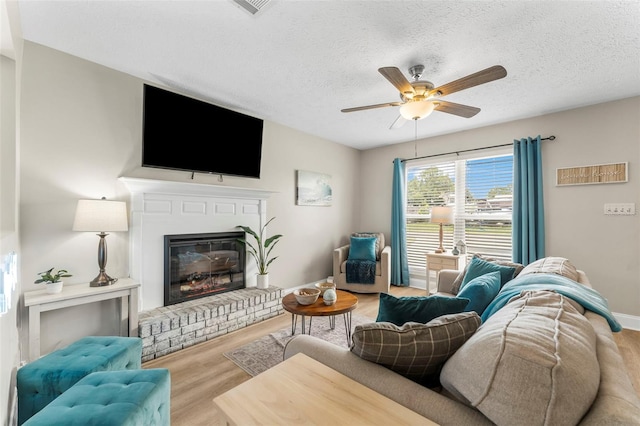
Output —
<point x="345" y="303"/>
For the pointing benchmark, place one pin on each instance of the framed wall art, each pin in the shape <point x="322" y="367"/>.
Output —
<point x="313" y="189"/>
<point x="598" y="173"/>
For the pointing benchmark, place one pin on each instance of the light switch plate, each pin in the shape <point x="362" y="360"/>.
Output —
<point x="625" y="209"/>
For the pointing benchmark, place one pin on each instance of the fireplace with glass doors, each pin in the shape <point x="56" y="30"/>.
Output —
<point x="200" y="265"/>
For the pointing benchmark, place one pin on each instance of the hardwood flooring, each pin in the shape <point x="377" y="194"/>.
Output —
<point x="201" y="372"/>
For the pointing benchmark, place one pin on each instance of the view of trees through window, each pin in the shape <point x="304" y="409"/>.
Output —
<point x="480" y="190"/>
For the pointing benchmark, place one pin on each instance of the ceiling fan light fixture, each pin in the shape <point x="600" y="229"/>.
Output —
<point x="416" y="110"/>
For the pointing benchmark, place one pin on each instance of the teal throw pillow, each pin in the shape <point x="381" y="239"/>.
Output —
<point x="362" y="248"/>
<point x="481" y="291"/>
<point x="479" y="267"/>
<point x="421" y="309"/>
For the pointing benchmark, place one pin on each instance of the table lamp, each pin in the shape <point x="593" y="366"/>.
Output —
<point x="444" y="216"/>
<point x="101" y="216"/>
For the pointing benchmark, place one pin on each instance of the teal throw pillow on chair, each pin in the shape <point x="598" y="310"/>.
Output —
<point x="481" y="291"/>
<point x="479" y="267"/>
<point x="362" y="248"/>
<point x="421" y="309"/>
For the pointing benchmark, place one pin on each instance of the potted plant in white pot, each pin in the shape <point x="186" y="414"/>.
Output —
<point x="52" y="280"/>
<point x="261" y="251"/>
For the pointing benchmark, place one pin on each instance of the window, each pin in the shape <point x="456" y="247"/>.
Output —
<point x="479" y="188"/>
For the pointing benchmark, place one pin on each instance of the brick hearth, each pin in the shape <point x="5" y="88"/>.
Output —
<point x="171" y="328"/>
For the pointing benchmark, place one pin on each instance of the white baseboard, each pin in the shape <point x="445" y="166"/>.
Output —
<point x="628" y="321"/>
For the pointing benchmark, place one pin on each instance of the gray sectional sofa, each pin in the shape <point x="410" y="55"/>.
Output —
<point x="539" y="359"/>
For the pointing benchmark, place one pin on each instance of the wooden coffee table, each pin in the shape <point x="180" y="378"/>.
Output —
<point x="345" y="303"/>
<point x="301" y="390"/>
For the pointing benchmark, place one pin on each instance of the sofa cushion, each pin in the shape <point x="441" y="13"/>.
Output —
<point x="421" y="309"/>
<point x="455" y="287"/>
<point x="532" y="362"/>
<point x="416" y="351"/>
<point x="379" y="236"/>
<point x="362" y="248"/>
<point x="478" y="267"/>
<point x="552" y="265"/>
<point x="481" y="291"/>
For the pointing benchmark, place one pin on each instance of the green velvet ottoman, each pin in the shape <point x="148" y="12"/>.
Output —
<point x="112" y="398"/>
<point x="41" y="381"/>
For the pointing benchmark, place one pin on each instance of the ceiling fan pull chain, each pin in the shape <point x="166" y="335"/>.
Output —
<point x="415" y="141"/>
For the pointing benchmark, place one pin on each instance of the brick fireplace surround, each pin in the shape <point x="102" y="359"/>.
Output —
<point x="171" y="328"/>
<point x="160" y="208"/>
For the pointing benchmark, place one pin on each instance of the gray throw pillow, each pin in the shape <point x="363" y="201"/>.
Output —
<point x="534" y="359"/>
<point x="552" y="265"/>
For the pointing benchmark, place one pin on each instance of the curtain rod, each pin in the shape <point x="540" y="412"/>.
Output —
<point x="550" y="138"/>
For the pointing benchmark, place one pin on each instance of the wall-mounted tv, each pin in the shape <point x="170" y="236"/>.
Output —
<point x="183" y="133"/>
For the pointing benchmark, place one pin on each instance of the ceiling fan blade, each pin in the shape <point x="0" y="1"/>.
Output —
<point x="395" y="77"/>
<point x="485" y="76"/>
<point x="399" y="122"/>
<point x="361" y="108"/>
<point x="456" y="109"/>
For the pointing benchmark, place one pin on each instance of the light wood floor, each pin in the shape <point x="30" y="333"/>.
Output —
<point x="202" y="372"/>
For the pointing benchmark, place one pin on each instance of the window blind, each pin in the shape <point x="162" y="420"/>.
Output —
<point x="480" y="190"/>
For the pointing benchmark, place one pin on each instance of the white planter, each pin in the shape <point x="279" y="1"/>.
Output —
<point x="53" y="288"/>
<point x="263" y="281"/>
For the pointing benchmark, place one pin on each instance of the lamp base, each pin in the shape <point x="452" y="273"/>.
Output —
<point x="439" y="251"/>
<point x="102" y="280"/>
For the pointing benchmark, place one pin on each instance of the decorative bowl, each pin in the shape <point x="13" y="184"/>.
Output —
<point x="324" y="287"/>
<point x="306" y="296"/>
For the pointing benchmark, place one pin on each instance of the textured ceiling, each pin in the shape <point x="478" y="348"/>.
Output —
<point x="298" y="63"/>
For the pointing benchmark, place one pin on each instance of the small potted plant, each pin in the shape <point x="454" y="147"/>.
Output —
<point x="53" y="280"/>
<point x="261" y="251"/>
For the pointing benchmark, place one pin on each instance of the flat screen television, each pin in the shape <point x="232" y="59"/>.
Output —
<point x="183" y="133"/>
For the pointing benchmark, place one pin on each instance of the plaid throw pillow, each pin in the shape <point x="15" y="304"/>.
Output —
<point x="416" y="351"/>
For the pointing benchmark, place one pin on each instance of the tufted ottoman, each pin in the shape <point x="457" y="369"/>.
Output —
<point x="41" y="381"/>
<point x="113" y="398"/>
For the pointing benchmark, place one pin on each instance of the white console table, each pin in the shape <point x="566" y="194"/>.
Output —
<point x="39" y="301"/>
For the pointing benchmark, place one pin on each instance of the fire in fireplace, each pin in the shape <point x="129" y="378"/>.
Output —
<point x="200" y="265"/>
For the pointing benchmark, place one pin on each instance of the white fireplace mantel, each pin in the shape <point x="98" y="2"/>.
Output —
<point x="141" y="185"/>
<point x="160" y="208"/>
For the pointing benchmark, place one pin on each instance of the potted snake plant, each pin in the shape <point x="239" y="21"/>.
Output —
<point x="261" y="250"/>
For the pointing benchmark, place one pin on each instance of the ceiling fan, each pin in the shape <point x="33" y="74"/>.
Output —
<point x="419" y="98"/>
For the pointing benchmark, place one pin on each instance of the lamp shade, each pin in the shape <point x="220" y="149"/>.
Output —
<point x="101" y="216"/>
<point x="416" y="110"/>
<point x="442" y="214"/>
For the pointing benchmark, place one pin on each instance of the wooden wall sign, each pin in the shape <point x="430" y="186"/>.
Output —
<point x="599" y="173"/>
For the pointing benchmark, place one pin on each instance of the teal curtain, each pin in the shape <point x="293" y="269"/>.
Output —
<point x="399" y="262"/>
<point x="528" y="205"/>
